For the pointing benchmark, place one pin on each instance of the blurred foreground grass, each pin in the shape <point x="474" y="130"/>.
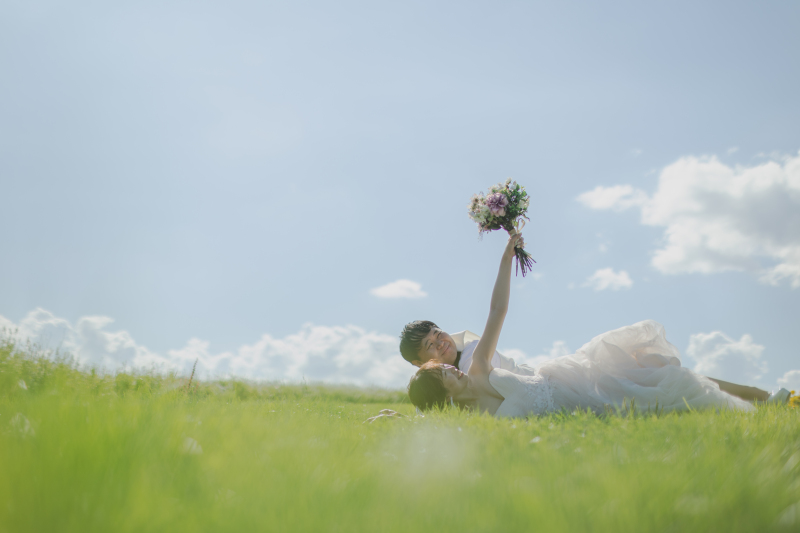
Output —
<point x="84" y="452"/>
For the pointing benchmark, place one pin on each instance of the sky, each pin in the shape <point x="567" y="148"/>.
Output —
<point x="275" y="188"/>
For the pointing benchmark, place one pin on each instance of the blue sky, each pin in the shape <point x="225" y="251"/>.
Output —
<point x="232" y="181"/>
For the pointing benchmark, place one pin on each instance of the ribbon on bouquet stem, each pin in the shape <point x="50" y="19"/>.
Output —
<point x="518" y="225"/>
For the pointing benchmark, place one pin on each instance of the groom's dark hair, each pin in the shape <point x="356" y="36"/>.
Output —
<point x="411" y="338"/>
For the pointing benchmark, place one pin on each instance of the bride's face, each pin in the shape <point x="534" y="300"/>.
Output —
<point x="437" y="346"/>
<point x="454" y="380"/>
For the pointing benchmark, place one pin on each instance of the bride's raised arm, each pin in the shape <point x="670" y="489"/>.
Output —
<point x="482" y="357"/>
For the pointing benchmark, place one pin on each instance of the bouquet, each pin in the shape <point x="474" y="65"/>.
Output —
<point x="505" y="207"/>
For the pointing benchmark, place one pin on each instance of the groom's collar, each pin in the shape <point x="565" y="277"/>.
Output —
<point x="462" y="338"/>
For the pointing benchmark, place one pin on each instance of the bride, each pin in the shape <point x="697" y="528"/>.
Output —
<point x="633" y="364"/>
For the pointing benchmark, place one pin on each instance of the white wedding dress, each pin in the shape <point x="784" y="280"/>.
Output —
<point x="630" y="363"/>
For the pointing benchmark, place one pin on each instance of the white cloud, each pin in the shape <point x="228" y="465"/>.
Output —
<point x="719" y="218"/>
<point x="636" y="152"/>
<point x="6" y="326"/>
<point x="606" y="278"/>
<point x="617" y="198"/>
<point x="790" y="380"/>
<point x="88" y="340"/>
<point x="719" y="356"/>
<point x="402" y="288"/>
<point x="732" y="150"/>
<point x="517" y="355"/>
<point x="558" y="349"/>
<point x="329" y="354"/>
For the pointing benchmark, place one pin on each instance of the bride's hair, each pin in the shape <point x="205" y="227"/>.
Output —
<point x="426" y="388"/>
<point x="411" y="338"/>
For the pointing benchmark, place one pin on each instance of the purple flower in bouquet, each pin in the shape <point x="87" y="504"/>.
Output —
<point x="497" y="203"/>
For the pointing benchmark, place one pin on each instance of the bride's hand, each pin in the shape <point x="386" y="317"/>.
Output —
<point x="514" y="240"/>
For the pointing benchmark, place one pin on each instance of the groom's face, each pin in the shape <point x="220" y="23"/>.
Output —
<point x="437" y="346"/>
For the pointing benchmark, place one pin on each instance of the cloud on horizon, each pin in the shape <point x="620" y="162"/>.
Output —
<point x="719" y="218"/>
<point x="402" y="288"/>
<point x="327" y="354"/>
<point x="331" y="354"/>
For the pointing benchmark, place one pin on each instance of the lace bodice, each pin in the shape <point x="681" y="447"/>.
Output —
<point x="524" y="395"/>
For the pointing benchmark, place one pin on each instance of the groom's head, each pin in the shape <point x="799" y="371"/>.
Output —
<point x="422" y="341"/>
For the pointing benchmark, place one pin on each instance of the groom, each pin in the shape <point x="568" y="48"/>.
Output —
<point x="422" y="341"/>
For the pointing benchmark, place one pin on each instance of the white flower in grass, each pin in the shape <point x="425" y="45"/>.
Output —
<point x="790" y="516"/>
<point x="22" y="425"/>
<point x="225" y="495"/>
<point x="191" y="446"/>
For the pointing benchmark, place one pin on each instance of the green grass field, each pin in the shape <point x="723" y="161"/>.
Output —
<point x="84" y="452"/>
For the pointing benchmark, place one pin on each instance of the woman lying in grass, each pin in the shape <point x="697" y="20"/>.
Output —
<point x="631" y="364"/>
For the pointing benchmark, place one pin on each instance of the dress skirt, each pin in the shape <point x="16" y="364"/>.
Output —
<point x="632" y="363"/>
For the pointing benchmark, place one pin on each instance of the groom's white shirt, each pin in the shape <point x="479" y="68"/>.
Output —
<point x="466" y="341"/>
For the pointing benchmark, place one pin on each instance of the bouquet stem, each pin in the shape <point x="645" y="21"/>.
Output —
<point x="524" y="260"/>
